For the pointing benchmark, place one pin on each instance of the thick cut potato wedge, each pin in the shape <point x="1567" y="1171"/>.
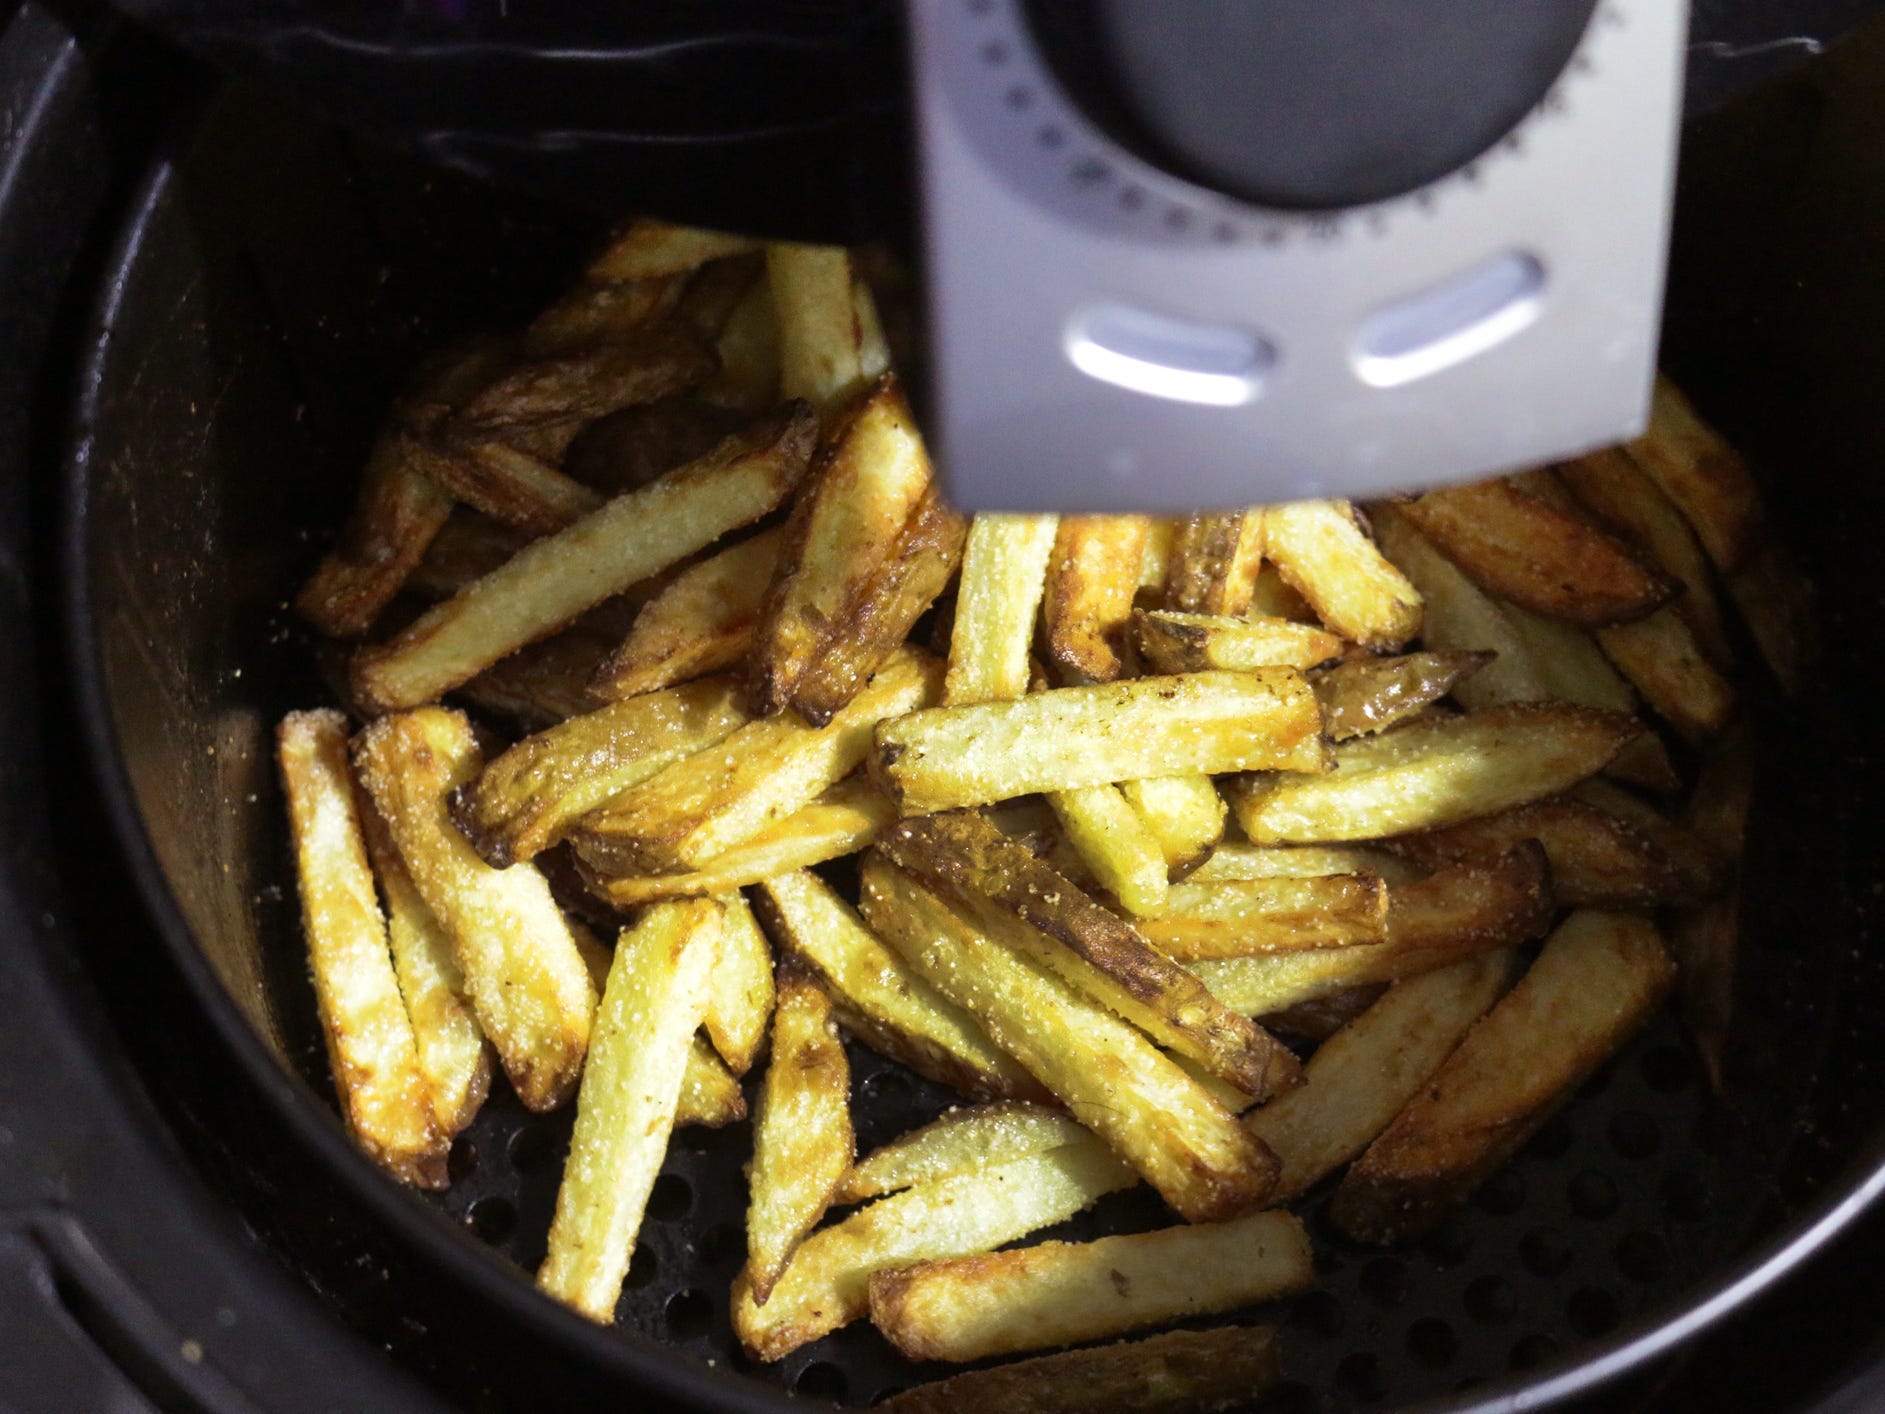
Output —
<point x="1004" y="568"/>
<point x="1107" y="1074"/>
<point x="1367" y="695"/>
<point x="842" y="821"/>
<point x="557" y="578"/>
<point x="1698" y="867"/>
<point x="1255" y="916"/>
<point x="829" y="345"/>
<point x="453" y="1055"/>
<point x="961" y="1141"/>
<point x="1459" y="912"/>
<point x="881" y="999"/>
<point x="1434" y="773"/>
<point x="1092" y="576"/>
<point x="1707" y="478"/>
<point x="802" y="1140"/>
<point x="1197" y="724"/>
<point x="866" y="481"/>
<point x="1323" y="554"/>
<point x="523" y="974"/>
<point x="1176" y="642"/>
<point x="656" y="992"/>
<point x="1661" y="656"/>
<point x="1542" y="558"/>
<point x="384" y="1093"/>
<point x="703" y="622"/>
<point x="1211" y="567"/>
<point x="1062" y="1293"/>
<point x="717" y="799"/>
<point x="1599" y="976"/>
<point x="507" y="483"/>
<point x="740" y="992"/>
<point x="1179" y="1372"/>
<point x="1094" y="951"/>
<point x="827" y="1282"/>
<point x="1365" y="1074"/>
<point x="1236" y="860"/>
<point x="1120" y="850"/>
<point x="1185" y="814"/>
<point x="710" y="1093"/>
<point x="528" y="798"/>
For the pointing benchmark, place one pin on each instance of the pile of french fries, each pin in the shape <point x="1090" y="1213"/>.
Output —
<point x="1223" y="856"/>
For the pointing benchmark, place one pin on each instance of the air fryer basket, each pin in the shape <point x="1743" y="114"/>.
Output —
<point x="276" y="282"/>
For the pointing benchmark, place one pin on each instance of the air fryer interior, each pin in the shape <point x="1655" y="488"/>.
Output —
<point x="279" y="282"/>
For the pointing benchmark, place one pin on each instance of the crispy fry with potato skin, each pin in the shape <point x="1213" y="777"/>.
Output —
<point x="592" y="382"/>
<point x="1599" y="976"/>
<point x="478" y="466"/>
<point x="741" y="992"/>
<point x="829" y="345"/>
<point x="1185" y="814"/>
<point x="468" y="546"/>
<point x="634" y="446"/>
<point x="371" y="1049"/>
<point x="1703" y="474"/>
<point x="1086" y="605"/>
<point x="1249" y="917"/>
<point x="646" y="249"/>
<point x="542" y="684"/>
<point x="1004" y="569"/>
<point x="1179" y="1372"/>
<point x="1174" y="642"/>
<point x="1119" y="849"/>
<point x="962" y="1140"/>
<point x="1367" y="695"/>
<point x="594" y="312"/>
<point x="1699" y="869"/>
<point x="1321" y="551"/>
<point x="1237" y="860"/>
<point x="710" y="1093"/>
<point x="1661" y="656"/>
<point x="1544" y="559"/>
<point x="1211" y="567"/>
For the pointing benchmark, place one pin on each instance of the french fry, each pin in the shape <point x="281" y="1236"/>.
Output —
<point x="1708" y="479"/>
<point x="1776" y="602"/>
<point x="1200" y="723"/>
<point x="1175" y="642"/>
<point x="1704" y="939"/>
<point x="1459" y="912"/>
<point x="1004" y="568"/>
<point x="1118" y="847"/>
<point x="1323" y="554"/>
<point x="740" y="991"/>
<point x="629" y="449"/>
<point x="826" y="1284"/>
<point x="1093" y="951"/>
<point x="710" y="1093"/>
<point x="527" y="799"/>
<point x="1254" y="916"/>
<point x="1159" y="535"/>
<point x="1316" y="1021"/>
<point x="1698" y="867"/>
<point x="1544" y="559"/>
<point x="656" y="992"/>
<point x="1365" y="1074"/>
<point x="1185" y="814"/>
<point x="647" y="249"/>
<point x="1662" y="657"/>
<point x="825" y="355"/>
<point x="802" y="1140"/>
<point x="1086" y="604"/>
<point x="748" y="349"/>
<point x="523" y="975"/>
<point x="1599" y="976"/>
<point x="1062" y="1293"/>
<point x="1366" y="695"/>
<point x="1106" y="1073"/>
<point x="961" y="1141"/>
<point x="595" y="313"/>
<point x="448" y="1041"/>
<point x="468" y="546"/>
<point x="842" y="821"/>
<point x="555" y="579"/>
<point x="1211" y="567"/>
<point x="869" y="476"/>
<point x="577" y="387"/>
<point x="540" y="685"/>
<point x="881" y="999"/>
<point x="1231" y="861"/>
<point x="1434" y="773"/>
<point x="1179" y="1372"/>
<point x="384" y="1094"/>
<point x="711" y="294"/>
<point x="506" y="482"/>
<point x="715" y="800"/>
<point x="703" y="622"/>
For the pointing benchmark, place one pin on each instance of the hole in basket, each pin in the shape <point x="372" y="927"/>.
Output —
<point x="1432" y="1343"/>
<point x="643" y="1268"/>
<point x="1360" y="1375"/>
<point x="1532" y="1351"/>
<point x="1503" y="1194"/>
<point x="670" y="1199"/>
<point x="689" y="1314"/>
<point x="1385" y="1279"/>
<point x="722" y="1245"/>
<point x="1319" y="1313"/>
<point x="1491" y="1300"/>
<point x="462" y="1163"/>
<point x="532" y="1149"/>
<point x="887" y="1088"/>
<point x="1683" y="1195"/>
<point x="1448" y="1244"/>
<point x="493" y="1219"/>
<point x="1591" y="1312"/>
<point x="1667" y="1069"/>
<point x="1643" y="1256"/>
<point x="1592" y="1195"/>
<point x="821" y="1380"/>
<point x="1551" y="1142"/>
<point x="1545" y="1252"/>
<point x="1634" y="1135"/>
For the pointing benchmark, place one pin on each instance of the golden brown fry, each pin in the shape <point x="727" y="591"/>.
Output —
<point x="1322" y="553"/>
<point x="523" y="975"/>
<point x="1255" y="916"/>
<point x="553" y="580"/>
<point x="1108" y="1075"/>
<point x="1187" y="643"/>
<point x="1708" y="479"/>
<point x="384" y="1095"/>
<point x="740" y="992"/>
<point x="1541" y="558"/>
<point x="656" y="991"/>
<point x="1200" y="723"/>
<point x="710" y="1093"/>
<point x="881" y="1000"/>
<point x="1092" y="575"/>
<point x="1159" y="535"/>
<point x="1179" y="1372"/>
<point x="647" y="249"/>
<point x="961" y="1141"/>
<point x="573" y="388"/>
<point x="1062" y="1293"/>
<point x="704" y="621"/>
<point x="1434" y="773"/>
<point x="802" y="1140"/>
<point x="543" y="684"/>
<point x="1211" y="567"/>
<point x="1301" y="861"/>
<point x="594" y="313"/>
<point x="1121" y="853"/>
<point x="1365" y="695"/>
<point x="628" y="449"/>
<point x="468" y="546"/>
<point x="1698" y="867"/>
<point x="528" y="798"/>
<point x="1365" y="1074"/>
<point x="1094" y="951"/>
<point x="826" y="351"/>
<point x="1661" y="657"/>
<point x="1004" y="567"/>
<point x="1599" y="976"/>
<point x="1185" y="814"/>
<point x="477" y="466"/>
<point x="748" y="347"/>
<point x="827" y="1282"/>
